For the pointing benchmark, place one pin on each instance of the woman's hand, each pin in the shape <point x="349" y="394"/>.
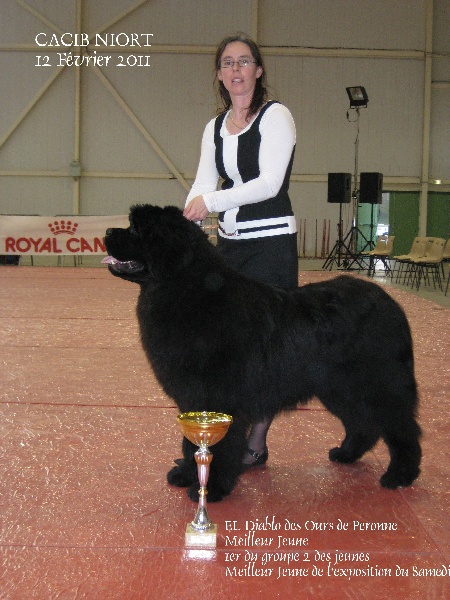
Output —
<point x="196" y="209"/>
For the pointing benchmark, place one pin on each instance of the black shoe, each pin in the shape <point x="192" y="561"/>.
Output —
<point x="260" y="459"/>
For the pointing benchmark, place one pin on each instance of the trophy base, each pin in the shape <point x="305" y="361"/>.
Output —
<point x="200" y="539"/>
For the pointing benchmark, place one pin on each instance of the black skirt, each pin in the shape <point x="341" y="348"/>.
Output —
<point x="273" y="260"/>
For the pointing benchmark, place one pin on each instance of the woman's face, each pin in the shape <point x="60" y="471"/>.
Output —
<point x="239" y="81"/>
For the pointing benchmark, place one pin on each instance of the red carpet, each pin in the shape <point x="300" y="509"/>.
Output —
<point x="87" y="435"/>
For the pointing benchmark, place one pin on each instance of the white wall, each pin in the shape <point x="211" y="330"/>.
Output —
<point x="314" y="49"/>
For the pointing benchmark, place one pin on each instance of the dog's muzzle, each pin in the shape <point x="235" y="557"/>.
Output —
<point x="128" y="266"/>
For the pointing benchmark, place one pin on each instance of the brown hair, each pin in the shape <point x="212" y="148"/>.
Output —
<point x="260" y="94"/>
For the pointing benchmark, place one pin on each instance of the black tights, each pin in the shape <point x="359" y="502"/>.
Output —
<point x="257" y="439"/>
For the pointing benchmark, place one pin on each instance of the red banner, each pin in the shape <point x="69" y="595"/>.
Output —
<point x="43" y="236"/>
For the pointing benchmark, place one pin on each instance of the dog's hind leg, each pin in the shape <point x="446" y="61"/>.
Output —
<point x="405" y="451"/>
<point x="361" y="432"/>
<point x="355" y="444"/>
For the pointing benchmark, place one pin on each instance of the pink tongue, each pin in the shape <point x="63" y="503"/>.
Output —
<point x="108" y="260"/>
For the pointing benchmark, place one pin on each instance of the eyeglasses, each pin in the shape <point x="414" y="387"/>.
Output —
<point x="227" y="63"/>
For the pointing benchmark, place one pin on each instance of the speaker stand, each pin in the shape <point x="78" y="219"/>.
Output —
<point x="369" y="245"/>
<point x="339" y="249"/>
<point x="344" y="251"/>
<point x="355" y="260"/>
<point x="342" y="254"/>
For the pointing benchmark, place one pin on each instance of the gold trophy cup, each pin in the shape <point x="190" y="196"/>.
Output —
<point x="203" y="429"/>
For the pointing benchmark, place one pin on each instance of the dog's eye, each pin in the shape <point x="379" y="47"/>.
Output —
<point x="132" y="229"/>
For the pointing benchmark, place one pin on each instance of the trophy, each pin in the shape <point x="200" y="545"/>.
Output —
<point x="203" y="429"/>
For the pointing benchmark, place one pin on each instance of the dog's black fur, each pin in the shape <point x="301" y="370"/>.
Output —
<point x="220" y="341"/>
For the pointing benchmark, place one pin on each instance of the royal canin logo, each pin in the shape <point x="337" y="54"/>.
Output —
<point x="50" y="245"/>
<point x="58" y="227"/>
<point x="56" y="234"/>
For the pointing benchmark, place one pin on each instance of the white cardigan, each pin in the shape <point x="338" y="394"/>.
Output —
<point x="278" y="138"/>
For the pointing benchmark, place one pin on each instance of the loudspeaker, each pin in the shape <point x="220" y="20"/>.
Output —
<point x="370" y="188"/>
<point x="339" y="187"/>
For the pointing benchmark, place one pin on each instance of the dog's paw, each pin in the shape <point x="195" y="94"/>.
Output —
<point x="180" y="477"/>
<point x="214" y="494"/>
<point x="341" y="456"/>
<point x="395" y="479"/>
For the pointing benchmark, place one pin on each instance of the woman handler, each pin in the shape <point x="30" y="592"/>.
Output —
<point x="250" y="145"/>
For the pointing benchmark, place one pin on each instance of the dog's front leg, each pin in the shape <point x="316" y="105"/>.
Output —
<point x="185" y="473"/>
<point x="226" y="464"/>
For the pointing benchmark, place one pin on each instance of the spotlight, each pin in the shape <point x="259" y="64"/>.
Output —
<point x="358" y="96"/>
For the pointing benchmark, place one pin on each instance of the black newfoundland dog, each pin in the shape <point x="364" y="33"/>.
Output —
<point x="220" y="341"/>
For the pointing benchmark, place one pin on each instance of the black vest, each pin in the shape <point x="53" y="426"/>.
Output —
<point x="248" y="165"/>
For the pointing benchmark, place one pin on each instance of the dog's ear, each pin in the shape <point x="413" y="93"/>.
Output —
<point x="146" y="217"/>
<point x="166" y="237"/>
<point x="173" y="212"/>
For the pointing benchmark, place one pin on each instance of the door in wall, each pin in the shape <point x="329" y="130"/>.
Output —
<point x="403" y="219"/>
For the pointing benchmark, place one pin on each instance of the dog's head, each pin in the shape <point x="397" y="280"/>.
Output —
<point x="158" y="243"/>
